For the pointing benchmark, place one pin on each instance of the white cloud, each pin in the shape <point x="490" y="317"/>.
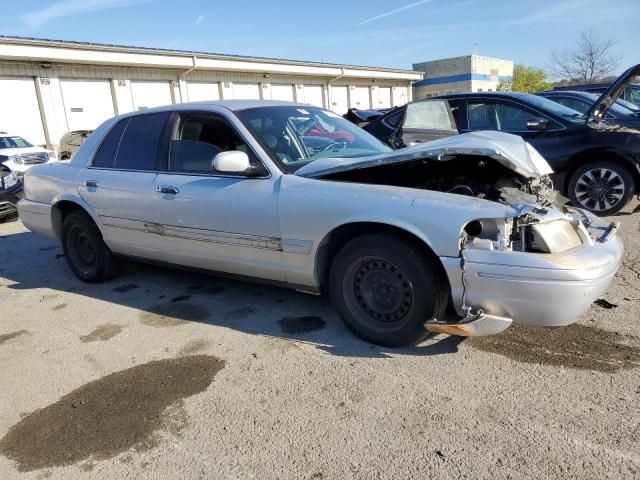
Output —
<point x="200" y="18"/>
<point x="65" y="8"/>
<point x="394" y="11"/>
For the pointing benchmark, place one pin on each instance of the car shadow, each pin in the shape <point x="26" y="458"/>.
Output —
<point x="166" y="297"/>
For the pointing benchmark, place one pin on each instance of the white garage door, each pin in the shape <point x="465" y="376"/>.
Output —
<point x="400" y="96"/>
<point x="87" y="103"/>
<point x="19" y="111"/>
<point x="282" y="92"/>
<point x="150" y="94"/>
<point x="312" y="94"/>
<point x="340" y="100"/>
<point x="203" y="91"/>
<point x="384" y="97"/>
<point x="246" y="91"/>
<point x="360" y="98"/>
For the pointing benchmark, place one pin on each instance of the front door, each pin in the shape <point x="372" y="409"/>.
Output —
<point x="206" y="219"/>
<point x="513" y="118"/>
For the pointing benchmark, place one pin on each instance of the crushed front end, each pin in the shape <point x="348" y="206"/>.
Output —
<point x="542" y="267"/>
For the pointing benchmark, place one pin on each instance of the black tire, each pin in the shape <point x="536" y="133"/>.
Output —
<point x="603" y="188"/>
<point x="86" y="253"/>
<point x="385" y="288"/>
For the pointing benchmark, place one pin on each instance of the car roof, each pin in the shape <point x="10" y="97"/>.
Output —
<point x="486" y="94"/>
<point x="233" y="105"/>
<point x="577" y="93"/>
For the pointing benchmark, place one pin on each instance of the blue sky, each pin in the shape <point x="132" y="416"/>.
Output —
<point x="391" y="33"/>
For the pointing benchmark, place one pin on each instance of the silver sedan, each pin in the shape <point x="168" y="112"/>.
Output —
<point x="295" y="195"/>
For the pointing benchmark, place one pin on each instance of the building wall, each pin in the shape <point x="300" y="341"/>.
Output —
<point x="471" y="73"/>
<point x="59" y="96"/>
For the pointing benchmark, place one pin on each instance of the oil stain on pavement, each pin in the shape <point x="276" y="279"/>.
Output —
<point x="194" y="346"/>
<point x="298" y="325"/>
<point x="173" y="314"/>
<point x="9" y="336"/>
<point x="109" y="416"/>
<point x="575" y="346"/>
<point x="127" y="287"/>
<point x="102" y="333"/>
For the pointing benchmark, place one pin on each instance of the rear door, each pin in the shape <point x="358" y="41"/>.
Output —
<point x="120" y="183"/>
<point x="425" y="121"/>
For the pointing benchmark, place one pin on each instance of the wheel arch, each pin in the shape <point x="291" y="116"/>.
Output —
<point x="625" y="159"/>
<point x="337" y="238"/>
<point x="62" y="207"/>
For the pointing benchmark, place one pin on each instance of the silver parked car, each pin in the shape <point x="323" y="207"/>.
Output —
<point x="266" y="190"/>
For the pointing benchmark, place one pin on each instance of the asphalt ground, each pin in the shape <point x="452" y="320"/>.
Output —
<point x="165" y="374"/>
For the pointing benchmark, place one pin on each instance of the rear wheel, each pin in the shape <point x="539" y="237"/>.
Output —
<point x="603" y="188"/>
<point x="86" y="253"/>
<point x="385" y="288"/>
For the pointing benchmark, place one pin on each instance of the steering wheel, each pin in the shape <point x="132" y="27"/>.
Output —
<point x="335" y="145"/>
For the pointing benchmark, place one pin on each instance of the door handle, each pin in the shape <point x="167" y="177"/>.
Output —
<point x="167" y="189"/>
<point x="416" y="142"/>
<point x="91" y="183"/>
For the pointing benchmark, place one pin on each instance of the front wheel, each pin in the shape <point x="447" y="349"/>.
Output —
<point x="385" y="288"/>
<point x="603" y="188"/>
<point x="86" y="253"/>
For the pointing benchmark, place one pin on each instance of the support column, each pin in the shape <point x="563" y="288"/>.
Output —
<point x="122" y="99"/>
<point x="226" y="91"/>
<point x="52" y="109"/>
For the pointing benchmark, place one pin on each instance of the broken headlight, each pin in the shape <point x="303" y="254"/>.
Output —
<point x="549" y="237"/>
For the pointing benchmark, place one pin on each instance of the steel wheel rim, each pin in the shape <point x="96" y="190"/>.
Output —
<point x="83" y="252"/>
<point x="599" y="189"/>
<point x="382" y="290"/>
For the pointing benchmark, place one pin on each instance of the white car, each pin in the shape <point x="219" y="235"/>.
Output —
<point x="244" y="188"/>
<point x="18" y="155"/>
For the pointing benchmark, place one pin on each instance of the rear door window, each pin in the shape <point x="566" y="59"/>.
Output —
<point x="429" y="115"/>
<point x="133" y="143"/>
<point x="106" y="156"/>
<point x="139" y="144"/>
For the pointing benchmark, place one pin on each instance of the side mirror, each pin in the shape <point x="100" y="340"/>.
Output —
<point x="233" y="161"/>
<point x="537" y="124"/>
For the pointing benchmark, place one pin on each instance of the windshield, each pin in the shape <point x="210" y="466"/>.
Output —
<point x="555" y="108"/>
<point x="14" y="142"/>
<point x="295" y="136"/>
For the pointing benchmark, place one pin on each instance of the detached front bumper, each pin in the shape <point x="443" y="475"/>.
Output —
<point x="542" y="290"/>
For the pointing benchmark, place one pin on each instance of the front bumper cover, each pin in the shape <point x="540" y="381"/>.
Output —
<point x="542" y="290"/>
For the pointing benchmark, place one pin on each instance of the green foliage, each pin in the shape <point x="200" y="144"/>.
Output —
<point x="528" y="79"/>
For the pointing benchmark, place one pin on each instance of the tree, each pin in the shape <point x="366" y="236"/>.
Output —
<point x="590" y="60"/>
<point x="526" y="79"/>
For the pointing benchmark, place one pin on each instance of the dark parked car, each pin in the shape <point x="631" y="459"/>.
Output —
<point x="631" y="93"/>
<point x="70" y="142"/>
<point x="621" y="113"/>
<point x="363" y="117"/>
<point x="597" y="164"/>
<point x="415" y="122"/>
<point x="10" y="192"/>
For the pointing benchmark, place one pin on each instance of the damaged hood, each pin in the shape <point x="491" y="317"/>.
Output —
<point x="509" y="150"/>
<point x="601" y="106"/>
